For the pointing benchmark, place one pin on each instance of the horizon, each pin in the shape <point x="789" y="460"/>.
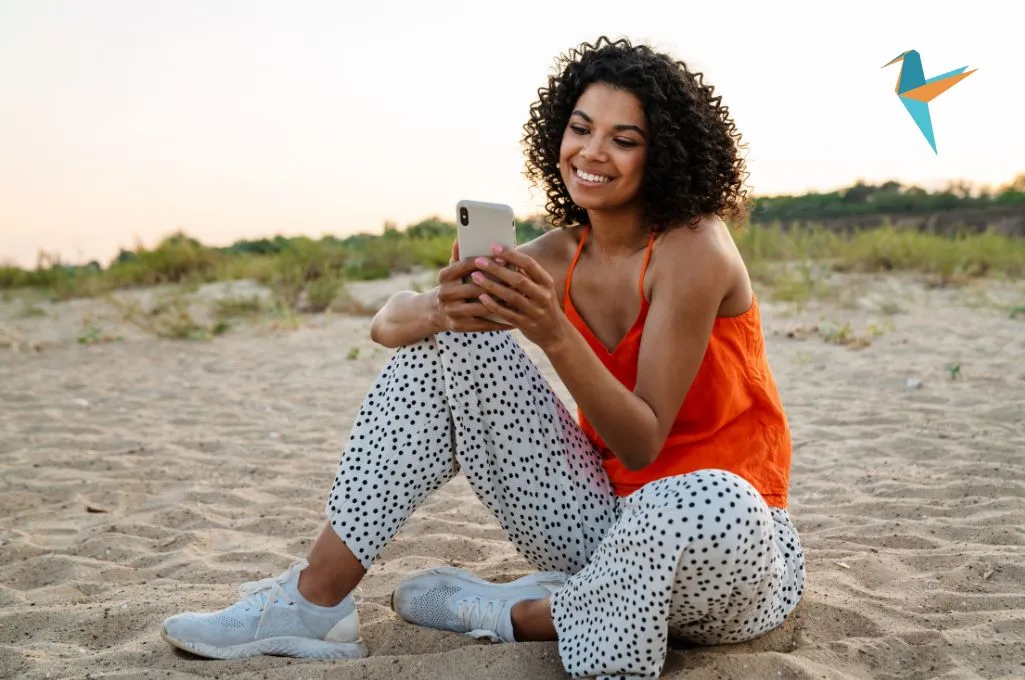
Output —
<point x="248" y="120"/>
<point x="54" y="259"/>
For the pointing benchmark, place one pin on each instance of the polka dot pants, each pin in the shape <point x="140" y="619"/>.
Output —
<point x="700" y="556"/>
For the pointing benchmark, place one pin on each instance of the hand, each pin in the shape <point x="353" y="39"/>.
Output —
<point x="525" y="297"/>
<point x="456" y="307"/>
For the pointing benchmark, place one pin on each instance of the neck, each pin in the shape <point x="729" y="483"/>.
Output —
<point x="619" y="233"/>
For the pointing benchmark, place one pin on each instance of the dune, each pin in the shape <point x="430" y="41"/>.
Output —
<point x="143" y="477"/>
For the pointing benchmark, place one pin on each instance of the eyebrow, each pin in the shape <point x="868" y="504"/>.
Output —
<point x="586" y="117"/>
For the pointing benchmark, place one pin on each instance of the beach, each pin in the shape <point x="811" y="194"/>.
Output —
<point x="145" y="476"/>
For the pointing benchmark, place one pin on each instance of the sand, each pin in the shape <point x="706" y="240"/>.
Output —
<point x="143" y="477"/>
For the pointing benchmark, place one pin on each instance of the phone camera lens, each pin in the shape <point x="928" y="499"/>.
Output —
<point x="464" y="216"/>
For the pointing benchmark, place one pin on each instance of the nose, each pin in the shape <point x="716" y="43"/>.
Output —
<point x="593" y="150"/>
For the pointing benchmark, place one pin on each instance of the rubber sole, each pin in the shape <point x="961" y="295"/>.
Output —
<point x="297" y="647"/>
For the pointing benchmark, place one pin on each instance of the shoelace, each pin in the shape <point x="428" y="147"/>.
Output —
<point x="480" y="615"/>
<point x="261" y="593"/>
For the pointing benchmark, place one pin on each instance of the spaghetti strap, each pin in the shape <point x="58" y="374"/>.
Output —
<point x="644" y="267"/>
<point x="573" y="263"/>
<point x="580" y="248"/>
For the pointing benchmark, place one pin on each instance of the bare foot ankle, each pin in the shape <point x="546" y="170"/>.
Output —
<point x="316" y="593"/>
<point x="333" y="571"/>
<point x="532" y="621"/>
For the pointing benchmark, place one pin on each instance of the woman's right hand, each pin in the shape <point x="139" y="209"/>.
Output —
<point x="457" y="306"/>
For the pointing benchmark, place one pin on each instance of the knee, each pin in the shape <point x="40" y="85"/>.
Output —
<point x="418" y="348"/>
<point x="458" y="342"/>
<point x="703" y="490"/>
<point x="714" y="509"/>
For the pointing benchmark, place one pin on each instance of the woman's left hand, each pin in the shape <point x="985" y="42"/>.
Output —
<point x="525" y="297"/>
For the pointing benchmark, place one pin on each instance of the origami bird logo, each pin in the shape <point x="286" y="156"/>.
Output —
<point x="916" y="92"/>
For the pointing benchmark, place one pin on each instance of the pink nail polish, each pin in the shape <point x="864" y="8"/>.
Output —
<point x="481" y="262"/>
<point x="496" y="249"/>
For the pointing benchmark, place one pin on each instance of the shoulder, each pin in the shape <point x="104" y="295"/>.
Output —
<point x="556" y="244"/>
<point x="696" y="240"/>
<point x="700" y="257"/>
<point x="554" y="250"/>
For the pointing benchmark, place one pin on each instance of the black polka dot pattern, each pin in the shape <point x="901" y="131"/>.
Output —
<point x="698" y="556"/>
<point x="476" y="402"/>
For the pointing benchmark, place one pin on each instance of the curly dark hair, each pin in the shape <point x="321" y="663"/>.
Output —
<point x="693" y="166"/>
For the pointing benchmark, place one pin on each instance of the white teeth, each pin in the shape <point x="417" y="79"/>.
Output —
<point x="588" y="177"/>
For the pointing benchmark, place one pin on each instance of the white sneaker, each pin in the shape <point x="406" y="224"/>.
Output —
<point x="453" y="599"/>
<point x="271" y="618"/>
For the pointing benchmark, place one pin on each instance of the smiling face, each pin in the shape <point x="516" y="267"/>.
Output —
<point x="603" y="150"/>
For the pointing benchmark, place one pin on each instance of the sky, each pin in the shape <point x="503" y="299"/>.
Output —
<point x="122" y="121"/>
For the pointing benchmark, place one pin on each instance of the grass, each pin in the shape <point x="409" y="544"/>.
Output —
<point x="304" y="276"/>
<point x="947" y="260"/>
<point x="798" y="266"/>
<point x="174" y="320"/>
<point x="171" y="317"/>
<point x="233" y="307"/>
<point x="307" y="275"/>
<point x="29" y="310"/>
<point x="322" y="292"/>
<point x="836" y="333"/>
<point x="93" y="334"/>
<point x="301" y="271"/>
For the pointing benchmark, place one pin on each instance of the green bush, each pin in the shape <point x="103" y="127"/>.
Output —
<point x="177" y="258"/>
<point x="298" y="267"/>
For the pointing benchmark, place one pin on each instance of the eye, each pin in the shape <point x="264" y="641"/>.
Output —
<point x="579" y="129"/>
<point x="625" y="143"/>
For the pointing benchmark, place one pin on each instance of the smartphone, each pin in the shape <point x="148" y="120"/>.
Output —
<point x="482" y="224"/>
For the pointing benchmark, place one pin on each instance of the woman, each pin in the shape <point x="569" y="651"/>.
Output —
<point x="663" y="512"/>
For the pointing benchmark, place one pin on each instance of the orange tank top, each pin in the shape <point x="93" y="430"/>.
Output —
<point x="732" y="417"/>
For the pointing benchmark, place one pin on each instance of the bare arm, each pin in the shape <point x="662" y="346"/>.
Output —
<point x="408" y="317"/>
<point x="635" y="424"/>
<point x="623" y="420"/>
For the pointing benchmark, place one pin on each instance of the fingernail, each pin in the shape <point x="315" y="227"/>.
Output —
<point x="477" y="276"/>
<point x="496" y="249"/>
<point x="481" y="262"/>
